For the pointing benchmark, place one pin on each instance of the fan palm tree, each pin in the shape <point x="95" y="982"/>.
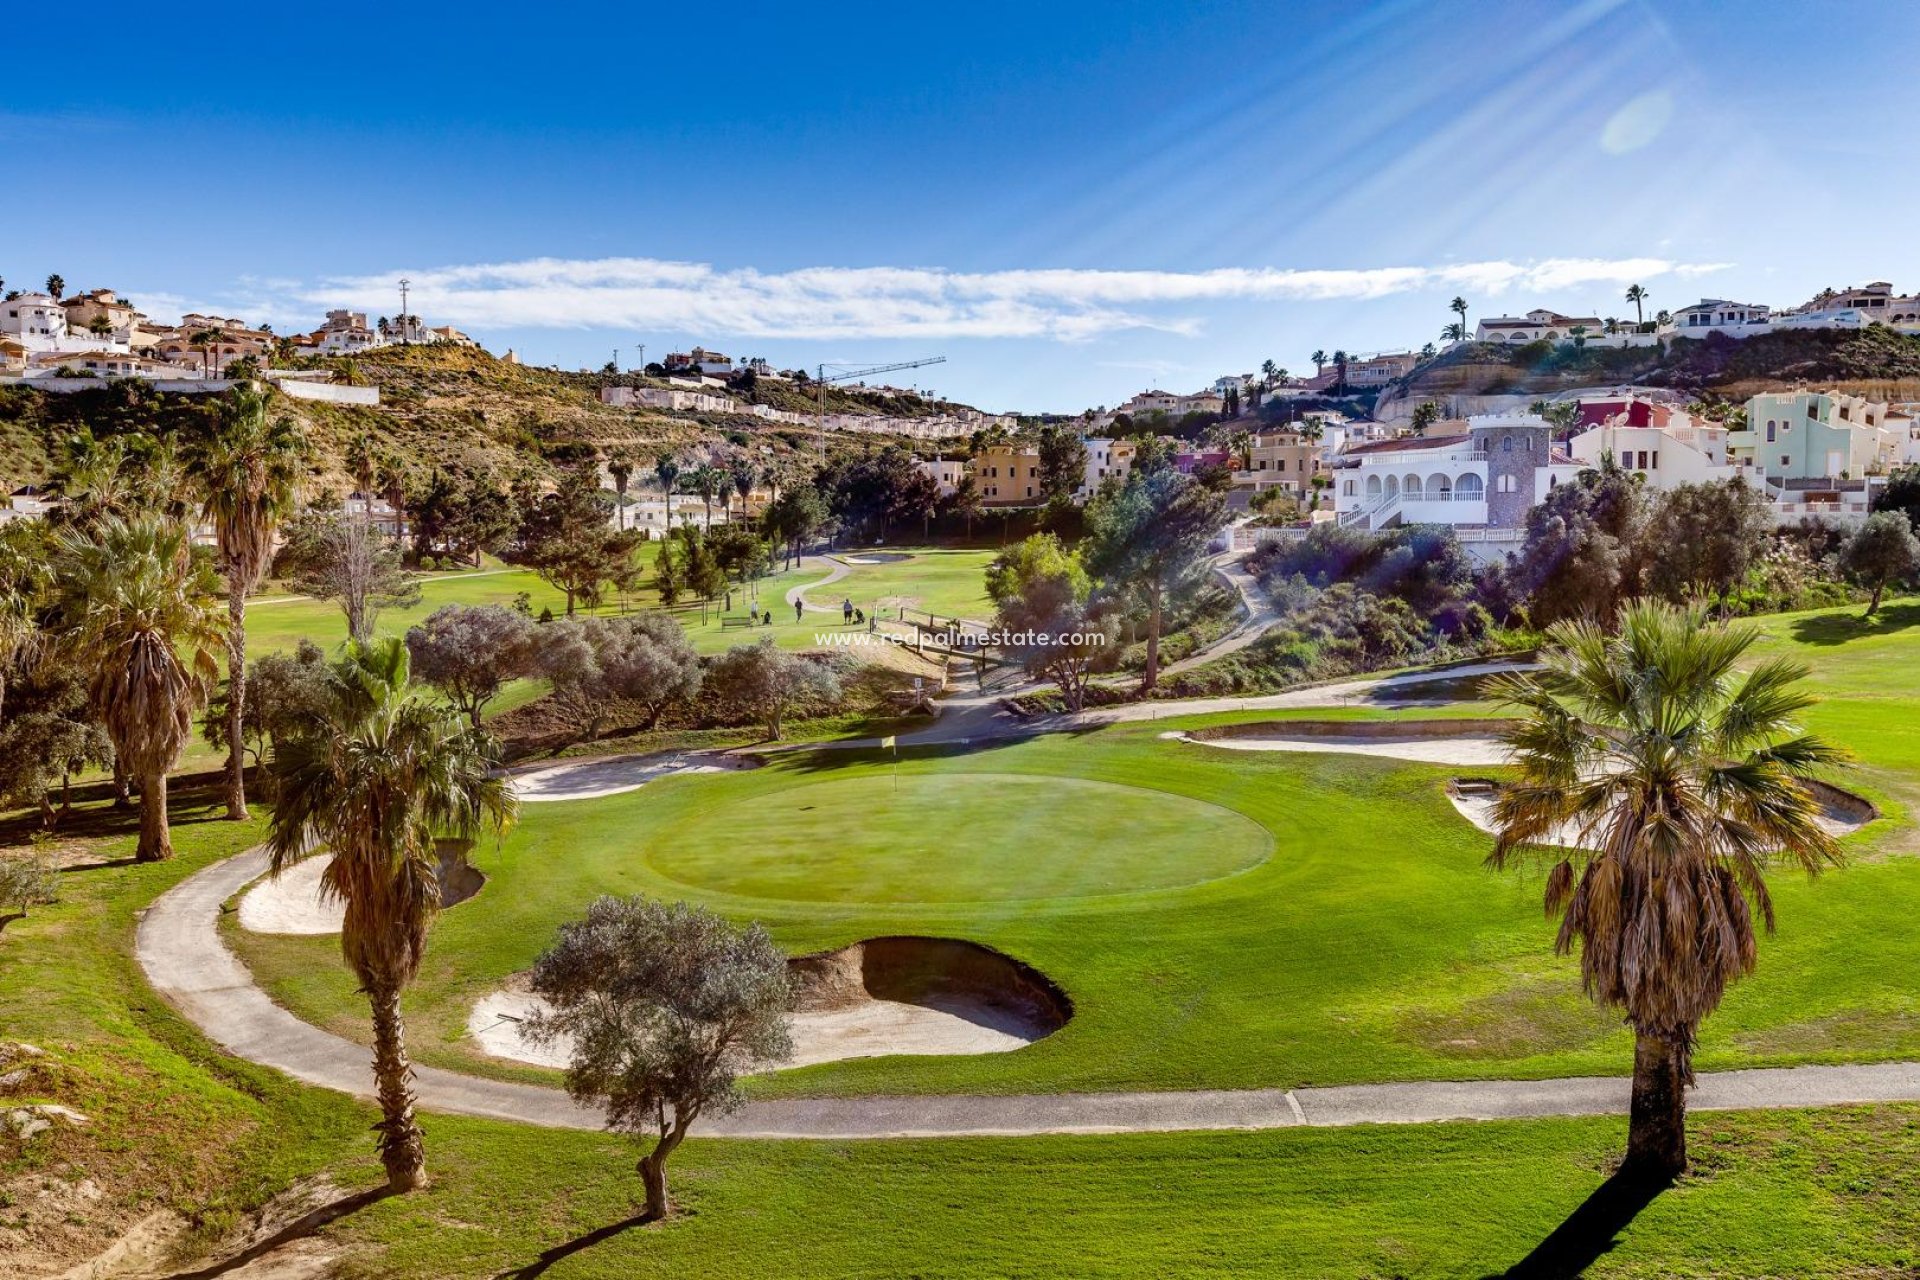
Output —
<point x="385" y="772"/>
<point x="1455" y="332"/>
<point x="620" y="468"/>
<point x="1340" y="370"/>
<point x="1637" y="294"/>
<point x="666" y="469"/>
<point x="1319" y="359"/>
<point x="56" y="285"/>
<point x="744" y="475"/>
<point x="23" y="582"/>
<point x="1660" y="781"/>
<point x="204" y="341"/>
<point x="1459" y="307"/>
<point x="246" y="470"/>
<point x="137" y="610"/>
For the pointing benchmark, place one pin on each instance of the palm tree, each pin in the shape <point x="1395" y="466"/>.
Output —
<point x="56" y="285"/>
<point x="1674" y="779"/>
<point x="386" y="771"/>
<point x="744" y="475"/>
<point x="620" y="467"/>
<point x="1459" y="307"/>
<point x="204" y="340"/>
<point x="1340" y="370"/>
<point x="1455" y="332"/>
<point x="1268" y="370"/>
<point x="707" y="481"/>
<point x="246" y="469"/>
<point x="667" y="471"/>
<point x="1637" y="294"/>
<point x="1319" y="359"/>
<point x="138" y="612"/>
<point x="363" y="460"/>
<point x="23" y="582"/>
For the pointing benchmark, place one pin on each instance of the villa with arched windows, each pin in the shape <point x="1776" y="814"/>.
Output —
<point x="1484" y="481"/>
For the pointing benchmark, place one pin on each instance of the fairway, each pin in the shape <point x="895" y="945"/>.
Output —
<point x="956" y="838"/>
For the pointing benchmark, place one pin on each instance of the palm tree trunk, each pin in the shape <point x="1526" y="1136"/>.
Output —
<point x="1657" y="1120"/>
<point x="236" y="704"/>
<point x="155" y="845"/>
<point x="121" y="797"/>
<point x="1153" y="645"/>
<point x="402" y="1147"/>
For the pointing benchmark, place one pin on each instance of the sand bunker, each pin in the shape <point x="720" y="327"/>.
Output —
<point x="878" y="997"/>
<point x="588" y="779"/>
<point x="291" y="903"/>
<point x="877" y="557"/>
<point x="1841" y="812"/>
<point x="1466" y="742"/>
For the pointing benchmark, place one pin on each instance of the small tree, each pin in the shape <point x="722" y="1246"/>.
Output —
<point x="1063" y="462"/>
<point x="1425" y="414"/>
<point x="1884" y="551"/>
<point x="26" y="882"/>
<point x="346" y="560"/>
<point x="286" y="692"/>
<point x="663" y="1007"/>
<point x="766" y="681"/>
<point x="1041" y="593"/>
<point x="645" y="660"/>
<point x="1149" y="539"/>
<point x="470" y="652"/>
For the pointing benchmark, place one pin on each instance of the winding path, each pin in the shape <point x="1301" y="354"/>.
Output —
<point x="179" y="946"/>
<point x="798" y="595"/>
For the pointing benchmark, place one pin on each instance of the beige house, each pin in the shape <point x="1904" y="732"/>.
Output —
<point x="1008" y="475"/>
<point x="1281" y="459"/>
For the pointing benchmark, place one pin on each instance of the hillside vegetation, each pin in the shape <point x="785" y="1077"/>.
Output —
<point x="439" y="406"/>
<point x="1875" y="361"/>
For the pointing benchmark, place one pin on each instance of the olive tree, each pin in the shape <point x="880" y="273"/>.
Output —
<point x="663" y="1007"/>
<point x="644" y="660"/>
<point x="1884" y="551"/>
<point x="471" y="652"/>
<point x="766" y="681"/>
<point x="1041" y="592"/>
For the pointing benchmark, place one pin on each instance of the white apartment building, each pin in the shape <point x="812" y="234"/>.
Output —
<point x="1106" y="459"/>
<point x="946" y="473"/>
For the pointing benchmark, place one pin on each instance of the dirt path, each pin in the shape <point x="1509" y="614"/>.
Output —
<point x="799" y="594"/>
<point x="179" y="947"/>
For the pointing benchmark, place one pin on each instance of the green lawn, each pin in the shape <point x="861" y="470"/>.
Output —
<point x="1365" y="941"/>
<point x="941" y="580"/>
<point x="178" y="1124"/>
<point x="1370" y="945"/>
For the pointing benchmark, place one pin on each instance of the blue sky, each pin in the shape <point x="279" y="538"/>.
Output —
<point x="1070" y="202"/>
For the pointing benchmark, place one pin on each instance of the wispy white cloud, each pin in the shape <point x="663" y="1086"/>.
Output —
<point x="1065" y="305"/>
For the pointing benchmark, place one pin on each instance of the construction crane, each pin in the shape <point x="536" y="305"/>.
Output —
<point x="848" y="373"/>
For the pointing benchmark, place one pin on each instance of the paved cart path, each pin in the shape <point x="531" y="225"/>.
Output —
<point x="180" y="948"/>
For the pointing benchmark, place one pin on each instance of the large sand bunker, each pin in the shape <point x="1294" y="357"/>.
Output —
<point x="1841" y="812"/>
<point x="1466" y="742"/>
<point x="291" y="902"/>
<point x="897" y="995"/>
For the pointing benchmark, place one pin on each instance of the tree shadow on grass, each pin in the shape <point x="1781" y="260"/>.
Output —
<point x="561" y="1252"/>
<point x="1589" y="1232"/>
<point x="299" y="1229"/>
<point x="1838" y="628"/>
<point x="101" y="820"/>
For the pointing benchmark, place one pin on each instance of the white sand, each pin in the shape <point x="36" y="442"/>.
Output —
<point x="1467" y="749"/>
<point x="588" y="779"/>
<point x="868" y="1029"/>
<point x="290" y="902"/>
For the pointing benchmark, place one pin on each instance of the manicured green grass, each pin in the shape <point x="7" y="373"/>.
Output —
<point x="1792" y="1193"/>
<point x="1371" y="945"/>
<point x="881" y="840"/>
<point x="945" y="581"/>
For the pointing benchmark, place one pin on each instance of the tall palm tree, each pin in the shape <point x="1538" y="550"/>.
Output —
<point x="1673" y="779"/>
<point x="744" y="476"/>
<point x="246" y="470"/>
<point x="56" y="285"/>
<point x="620" y="468"/>
<point x="1319" y="359"/>
<point x="204" y="341"/>
<point x="1340" y="370"/>
<point x="1455" y="332"/>
<point x="666" y="469"/>
<point x="23" y="583"/>
<point x="1637" y="295"/>
<point x="138" y="611"/>
<point x="385" y="772"/>
<point x="1459" y="307"/>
